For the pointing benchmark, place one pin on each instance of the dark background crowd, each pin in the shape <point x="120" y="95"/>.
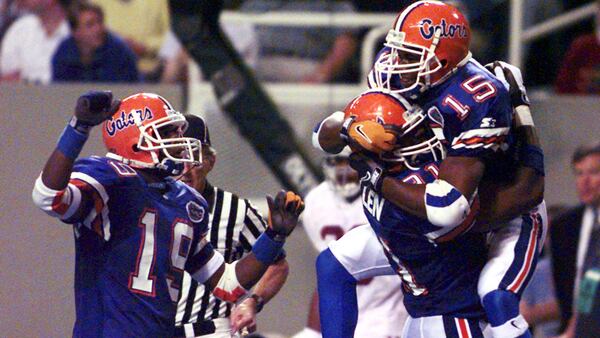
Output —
<point x="44" y="41"/>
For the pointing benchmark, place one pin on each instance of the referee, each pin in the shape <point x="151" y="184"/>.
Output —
<point x="234" y="226"/>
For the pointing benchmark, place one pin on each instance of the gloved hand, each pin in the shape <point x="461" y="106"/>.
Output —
<point x="370" y="171"/>
<point x="512" y="76"/>
<point x="93" y="108"/>
<point x="284" y="211"/>
<point x="368" y="135"/>
<point x="519" y="100"/>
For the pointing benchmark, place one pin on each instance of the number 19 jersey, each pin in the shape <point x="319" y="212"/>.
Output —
<point x="132" y="244"/>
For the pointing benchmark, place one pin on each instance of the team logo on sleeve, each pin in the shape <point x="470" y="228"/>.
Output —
<point x="195" y="211"/>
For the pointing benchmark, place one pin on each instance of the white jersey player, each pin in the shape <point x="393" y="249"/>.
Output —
<point x="332" y="209"/>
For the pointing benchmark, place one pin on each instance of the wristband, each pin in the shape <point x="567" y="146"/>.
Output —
<point x="532" y="157"/>
<point x="344" y="131"/>
<point x="260" y="302"/>
<point x="71" y="141"/>
<point x="267" y="249"/>
<point x="523" y="116"/>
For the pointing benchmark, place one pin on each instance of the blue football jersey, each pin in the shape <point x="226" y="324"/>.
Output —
<point x="132" y="246"/>
<point x="473" y="116"/>
<point x="439" y="266"/>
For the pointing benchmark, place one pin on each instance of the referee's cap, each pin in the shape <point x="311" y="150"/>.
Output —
<point x="197" y="129"/>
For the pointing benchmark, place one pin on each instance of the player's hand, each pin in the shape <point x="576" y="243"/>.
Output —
<point x="512" y="76"/>
<point x="368" y="135"/>
<point x="94" y="107"/>
<point x="370" y="171"/>
<point x="519" y="100"/>
<point x="244" y="316"/>
<point x="284" y="211"/>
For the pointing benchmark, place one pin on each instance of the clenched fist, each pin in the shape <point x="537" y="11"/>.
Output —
<point x="284" y="211"/>
<point x="94" y="107"/>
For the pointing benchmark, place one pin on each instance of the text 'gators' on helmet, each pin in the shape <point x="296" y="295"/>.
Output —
<point x="146" y="132"/>
<point x="428" y="41"/>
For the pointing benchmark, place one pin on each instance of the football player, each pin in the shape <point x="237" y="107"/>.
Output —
<point x="332" y="209"/>
<point x="438" y="268"/>
<point x="136" y="228"/>
<point x="426" y="58"/>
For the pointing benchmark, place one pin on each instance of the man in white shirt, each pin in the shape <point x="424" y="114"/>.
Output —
<point x="30" y="42"/>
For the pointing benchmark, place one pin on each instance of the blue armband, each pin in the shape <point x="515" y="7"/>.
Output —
<point x="266" y="249"/>
<point x="532" y="157"/>
<point x="71" y="141"/>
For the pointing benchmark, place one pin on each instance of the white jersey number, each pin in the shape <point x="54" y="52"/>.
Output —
<point x="142" y="280"/>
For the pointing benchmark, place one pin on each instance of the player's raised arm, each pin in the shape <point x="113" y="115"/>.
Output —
<point x="230" y="282"/>
<point x="92" y="108"/>
<point x="503" y="201"/>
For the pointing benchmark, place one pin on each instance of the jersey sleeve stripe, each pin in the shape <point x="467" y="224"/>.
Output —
<point x="93" y="182"/>
<point x="61" y="202"/>
<point x="463" y="227"/>
<point x="486" y="137"/>
<point x="483" y="132"/>
<point x="97" y="218"/>
<point x="443" y="201"/>
<point x="477" y="142"/>
<point x="74" y="203"/>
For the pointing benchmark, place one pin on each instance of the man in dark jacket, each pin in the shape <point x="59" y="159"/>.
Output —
<point x="573" y="235"/>
<point x="91" y="53"/>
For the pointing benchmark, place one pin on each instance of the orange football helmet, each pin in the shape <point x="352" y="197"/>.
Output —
<point x="146" y="132"/>
<point x="427" y="43"/>
<point x="409" y="123"/>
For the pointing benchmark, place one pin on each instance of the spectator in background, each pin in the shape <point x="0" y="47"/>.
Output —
<point x="143" y="24"/>
<point x="91" y="53"/>
<point x="10" y="10"/>
<point x="30" y="42"/>
<point x="305" y="54"/>
<point x="571" y="234"/>
<point x="539" y="305"/>
<point x="580" y="70"/>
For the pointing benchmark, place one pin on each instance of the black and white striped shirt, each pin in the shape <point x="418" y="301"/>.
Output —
<point x="234" y="227"/>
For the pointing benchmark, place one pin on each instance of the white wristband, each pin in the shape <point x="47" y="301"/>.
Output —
<point x="523" y="116"/>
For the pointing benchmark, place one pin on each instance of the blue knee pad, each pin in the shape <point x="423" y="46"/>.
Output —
<point x="500" y="307"/>
<point x="338" y="307"/>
